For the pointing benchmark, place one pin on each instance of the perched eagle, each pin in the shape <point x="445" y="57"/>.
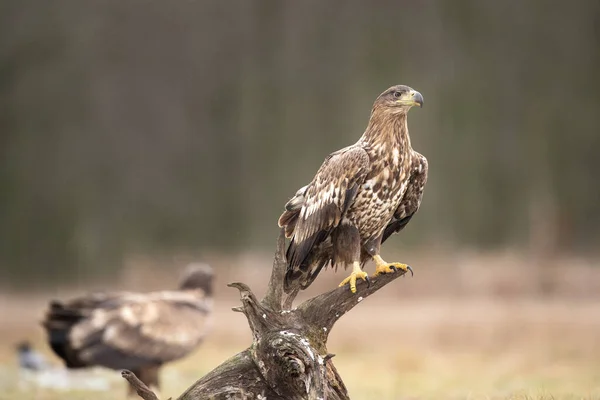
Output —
<point x="135" y="331"/>
<point x="359" y="197"/>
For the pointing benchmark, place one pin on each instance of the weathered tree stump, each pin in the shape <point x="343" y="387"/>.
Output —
<point x="288" y="358"/>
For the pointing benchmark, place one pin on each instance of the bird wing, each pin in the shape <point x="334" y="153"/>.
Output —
<point x="411" y="201"/>
<point x="323" y="202"/>
<point x="137" y="329"/>
<point x="61" y="317"/>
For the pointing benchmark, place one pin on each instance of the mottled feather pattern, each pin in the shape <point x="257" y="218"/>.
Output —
<point x="411" y="201"/>
<point x="360" y="195"/>
<point x="162" y="327"/>
<point x="132" y="330"/>
<point x="324" y="202"/>
<point x="292" y="210"/>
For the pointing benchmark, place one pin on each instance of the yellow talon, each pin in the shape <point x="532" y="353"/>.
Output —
<point x="382" y="267"/>
<point x="357" y="272"/>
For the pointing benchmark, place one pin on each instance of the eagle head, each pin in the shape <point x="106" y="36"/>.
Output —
<point x="399" y="99"/>
<point x="197" y="276"/>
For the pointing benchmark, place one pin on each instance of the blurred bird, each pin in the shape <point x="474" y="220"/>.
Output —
<point x="135" y="331"/>
<point x="359" y="197"/>
<point x="29" y="358"/>
<point x="35" y="371"/>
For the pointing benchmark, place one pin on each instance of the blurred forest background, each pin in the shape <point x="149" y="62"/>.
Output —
<point x="139" y="135"/>
<point x="159" y="127"/>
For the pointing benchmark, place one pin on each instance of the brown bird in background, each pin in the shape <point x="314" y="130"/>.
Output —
<point x="135" y="331"/>
<point x="358" y="198"/>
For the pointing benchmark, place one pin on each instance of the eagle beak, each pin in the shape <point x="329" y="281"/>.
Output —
<point x="416" y="98"/>
<point x="412" y="98"/>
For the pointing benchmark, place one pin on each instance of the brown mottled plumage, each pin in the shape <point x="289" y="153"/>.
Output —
<point x="135" y="331"/>
<point x="358" y="198"/>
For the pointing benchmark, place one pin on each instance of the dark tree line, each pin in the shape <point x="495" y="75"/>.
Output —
<point x="141" y="125"/>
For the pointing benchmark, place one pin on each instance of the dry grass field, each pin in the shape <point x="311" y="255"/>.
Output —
<point x="503" y="331"/>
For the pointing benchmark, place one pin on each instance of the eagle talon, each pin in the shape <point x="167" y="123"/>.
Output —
<point x="368" y="280"/>
<point x="411" y="271"/>
<point x="383" y="267"/>
<point x="357" y="273"/>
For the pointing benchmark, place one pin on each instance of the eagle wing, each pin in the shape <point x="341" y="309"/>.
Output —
<point x="129" y="330"/>
<point x="411" y="201"/>
<point x="319" y="207"/>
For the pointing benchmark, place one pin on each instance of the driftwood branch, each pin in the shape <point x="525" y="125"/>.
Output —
<point x="324" y="310"/>
<point x="140" y="387"/>
<point x="288" y="358"/>
<point x="273" y="297"/>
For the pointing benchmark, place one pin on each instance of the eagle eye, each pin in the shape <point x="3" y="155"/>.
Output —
<point x="397" y="95"/>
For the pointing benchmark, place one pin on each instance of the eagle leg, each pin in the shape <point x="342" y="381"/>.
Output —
<point x="357" y="273"/>
<point x="382" y="267"/>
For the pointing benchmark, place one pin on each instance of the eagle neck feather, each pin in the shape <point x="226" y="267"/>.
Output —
<point x="387" y="130"/>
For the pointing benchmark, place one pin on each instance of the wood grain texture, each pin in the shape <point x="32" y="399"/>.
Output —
<point x="288" y="358"/>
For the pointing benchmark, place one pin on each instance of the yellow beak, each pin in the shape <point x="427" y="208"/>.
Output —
<point x="412" y="98"/>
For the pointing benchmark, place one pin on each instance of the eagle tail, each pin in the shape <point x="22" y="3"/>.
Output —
<point x="302" y="271"/>
<point x="302" y="277"/>
<point x="58" y="322"/>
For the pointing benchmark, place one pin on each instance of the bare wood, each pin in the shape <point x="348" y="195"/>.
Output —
<point x="288" y="358"/>
<point x="324" y="310"/>
<point x="140" y="387"/>
<point x="274" y="295"/>
<point x="236" y="378"/>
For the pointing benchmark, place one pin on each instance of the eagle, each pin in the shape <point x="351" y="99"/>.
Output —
<point x="360" y="195"/>
<point x="135" y="331"/>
